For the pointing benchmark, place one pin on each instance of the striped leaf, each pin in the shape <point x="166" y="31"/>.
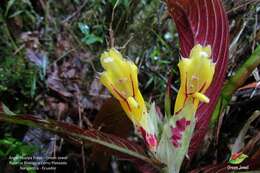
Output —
<point x="203" y="22"/>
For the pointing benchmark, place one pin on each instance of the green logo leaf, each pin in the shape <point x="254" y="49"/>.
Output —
<point x="237" y="158"/>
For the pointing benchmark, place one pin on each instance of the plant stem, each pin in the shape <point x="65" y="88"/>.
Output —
<point x="234" y="83"/>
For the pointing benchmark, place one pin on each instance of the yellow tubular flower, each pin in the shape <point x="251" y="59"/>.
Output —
<point x="120" y="78"/>
<point x="196" y="73"/>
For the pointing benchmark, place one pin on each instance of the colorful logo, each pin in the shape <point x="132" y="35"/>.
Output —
<point x="237" y="158"/>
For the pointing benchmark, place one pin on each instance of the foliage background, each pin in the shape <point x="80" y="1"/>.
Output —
<point x="49" y="64"/>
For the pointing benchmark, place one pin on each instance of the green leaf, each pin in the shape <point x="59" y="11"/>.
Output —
<point x="27" y="150"/>
<point x="91" y="39"/>
<point x="113" y="2"/>
<point x="30" y="170"/>
<point x="7" y="141"/>
<point x="33" y="85"/>
<point x="9" y="5"/>
<point x="2" y="154"/>
<point x="84" y="28"/>
<point x="16" y="14"/>
<point x="7" y="110"/>
<point x="125" y="3"/>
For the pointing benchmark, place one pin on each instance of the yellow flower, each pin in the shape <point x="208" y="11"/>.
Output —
<point x="120" y="78"/>
<point x="196" y="73"/>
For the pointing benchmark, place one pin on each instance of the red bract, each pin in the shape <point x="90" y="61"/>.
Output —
<point x="203" y="22"/>
<point x="177" y="131"/>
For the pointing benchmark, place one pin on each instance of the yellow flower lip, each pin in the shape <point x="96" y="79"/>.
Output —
<point x="201" y="97"/>
<point x="196" y="73"/>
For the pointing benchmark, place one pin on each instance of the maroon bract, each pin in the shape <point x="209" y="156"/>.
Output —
<point x="203" y="22"/>
<point x="177" y="131"/>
